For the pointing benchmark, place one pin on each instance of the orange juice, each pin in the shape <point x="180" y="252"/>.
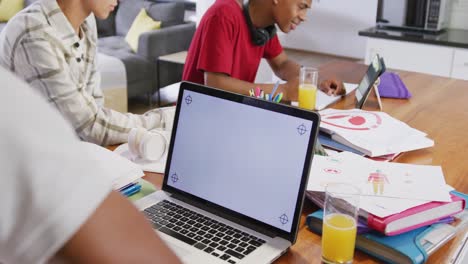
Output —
<point x="307" y="96"/>
<point x="338" y="238"/>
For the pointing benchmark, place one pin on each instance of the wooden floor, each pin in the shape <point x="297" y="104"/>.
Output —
<point x="140" y="105"/>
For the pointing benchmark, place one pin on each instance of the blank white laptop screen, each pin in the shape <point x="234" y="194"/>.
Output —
<point x="241" y="157"/>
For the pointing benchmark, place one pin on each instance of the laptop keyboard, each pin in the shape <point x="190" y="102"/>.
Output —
<point x="202" y="232"/>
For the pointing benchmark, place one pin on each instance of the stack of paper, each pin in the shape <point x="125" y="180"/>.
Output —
<point x="121" y="171"/>
<point x="372" y="133"/>
<point x="400" y="186"/>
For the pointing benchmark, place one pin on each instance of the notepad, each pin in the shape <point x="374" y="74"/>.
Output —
<point x="324" y="100"/>
<point x="120" y="170"/>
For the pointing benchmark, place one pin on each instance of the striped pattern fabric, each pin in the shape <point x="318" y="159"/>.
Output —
<point x="40" y="46"/>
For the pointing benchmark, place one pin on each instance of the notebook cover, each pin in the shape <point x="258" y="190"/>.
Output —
<point x="380" y="224"/>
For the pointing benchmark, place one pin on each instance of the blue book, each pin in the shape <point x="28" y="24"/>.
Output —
<point x="412" y="247"/>
<point x="327" y="141"/>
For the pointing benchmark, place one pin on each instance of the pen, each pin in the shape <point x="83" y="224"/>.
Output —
<point x="262" y="94"/>
<point x="257" y="91"/>
<point x="127" y="186"/>
<point x="278" y="97"/>
<point x="251" y="92"/>
<point x="267" y="97"/>
<point x="132" y="190"/>
<point x="274" y="89"/>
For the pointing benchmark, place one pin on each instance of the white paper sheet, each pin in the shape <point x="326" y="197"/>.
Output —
<point x="323" y="100"/>
<point x="387" y="188"/>
<point x="376" y="133"/>
<point x="121" y="171"/>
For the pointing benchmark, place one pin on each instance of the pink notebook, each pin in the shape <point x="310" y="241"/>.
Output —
<point x="415" y="217"/>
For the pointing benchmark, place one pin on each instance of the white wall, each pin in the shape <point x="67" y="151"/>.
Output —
<point x="459" y="14"/>
<point x="202" y="6"/>
<point x="332" y="27"/>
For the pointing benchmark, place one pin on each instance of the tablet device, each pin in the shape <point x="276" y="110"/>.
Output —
<point x="376" y="68"/>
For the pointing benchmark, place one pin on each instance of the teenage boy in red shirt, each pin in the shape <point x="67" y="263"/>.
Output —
<point x="233" y="37"/>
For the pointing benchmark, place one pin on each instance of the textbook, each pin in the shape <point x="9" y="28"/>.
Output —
<point x="372" y="133"/>
<point x="416" y="217"/>
<point x="413" y="218"/>
<point x="412" y="247"/>
<point x="326" y="141"/>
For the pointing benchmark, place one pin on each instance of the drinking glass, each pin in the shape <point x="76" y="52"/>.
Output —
<point x="340" y="222"/>
<point x="308" y="78"/>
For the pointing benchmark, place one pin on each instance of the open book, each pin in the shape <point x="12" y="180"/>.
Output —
<point x="372" y="133"/>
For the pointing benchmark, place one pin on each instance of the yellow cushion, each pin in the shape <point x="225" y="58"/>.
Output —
<point x="142" y="23"/>
<point x="9" y="8"/>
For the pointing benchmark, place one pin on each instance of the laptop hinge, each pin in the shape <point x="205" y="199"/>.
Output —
<point x="218" y="212"/>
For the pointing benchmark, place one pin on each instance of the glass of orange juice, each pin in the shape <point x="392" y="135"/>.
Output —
<point x="308" y="78"/>
<point x="340" y="222"/>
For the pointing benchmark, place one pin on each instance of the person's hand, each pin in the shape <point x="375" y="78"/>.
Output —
<point x="332" y="87"/>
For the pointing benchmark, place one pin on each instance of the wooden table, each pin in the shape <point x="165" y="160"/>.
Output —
<point x="439" y="107"/>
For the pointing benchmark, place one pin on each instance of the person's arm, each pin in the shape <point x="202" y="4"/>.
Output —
<point x="284" y="68"/>
<point x="226" y="82"/>
<point x="116" y="233"/>
<point x="287" y="70"/>
<point x="38" y="63"/>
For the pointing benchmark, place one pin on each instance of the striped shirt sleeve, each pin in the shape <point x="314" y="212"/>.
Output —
<point x="37" y="46"/>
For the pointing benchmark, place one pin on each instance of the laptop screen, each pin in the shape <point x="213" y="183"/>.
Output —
<point x="239" y="156"/>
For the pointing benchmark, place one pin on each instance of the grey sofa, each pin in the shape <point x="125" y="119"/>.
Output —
<point x="141" y="67"/>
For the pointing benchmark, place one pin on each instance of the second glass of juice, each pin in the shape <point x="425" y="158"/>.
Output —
<point x="340" y="223"/>
<point x="308" y="78"/>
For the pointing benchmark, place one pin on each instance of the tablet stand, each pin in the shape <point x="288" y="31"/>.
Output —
<point x="376" y="90"/>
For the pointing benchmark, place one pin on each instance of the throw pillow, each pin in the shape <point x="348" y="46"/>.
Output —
<point x="9" y="8"/>
<point x="142" y="23"/>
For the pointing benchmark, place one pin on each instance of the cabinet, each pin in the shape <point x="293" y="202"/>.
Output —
<point x="419" y="57"/>
<point x="460" y="64"/>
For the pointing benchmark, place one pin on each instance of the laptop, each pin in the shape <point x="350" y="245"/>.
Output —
<point x="235" y="177"/>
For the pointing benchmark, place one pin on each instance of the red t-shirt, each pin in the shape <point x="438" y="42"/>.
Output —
<point x="222" y="44"/>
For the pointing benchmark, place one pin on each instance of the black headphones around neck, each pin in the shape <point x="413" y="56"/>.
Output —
<point x="259" y="36"/>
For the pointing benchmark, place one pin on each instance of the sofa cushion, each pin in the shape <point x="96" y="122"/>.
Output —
<point x="106" y="27"/>
<point x="28" y="2"/>
<point x="143" y="23"/>
<point x="137" y="67"/>
<point x="9" y="8"/>
<point x="114" y="43"/>
<point x="168" y="13"/>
